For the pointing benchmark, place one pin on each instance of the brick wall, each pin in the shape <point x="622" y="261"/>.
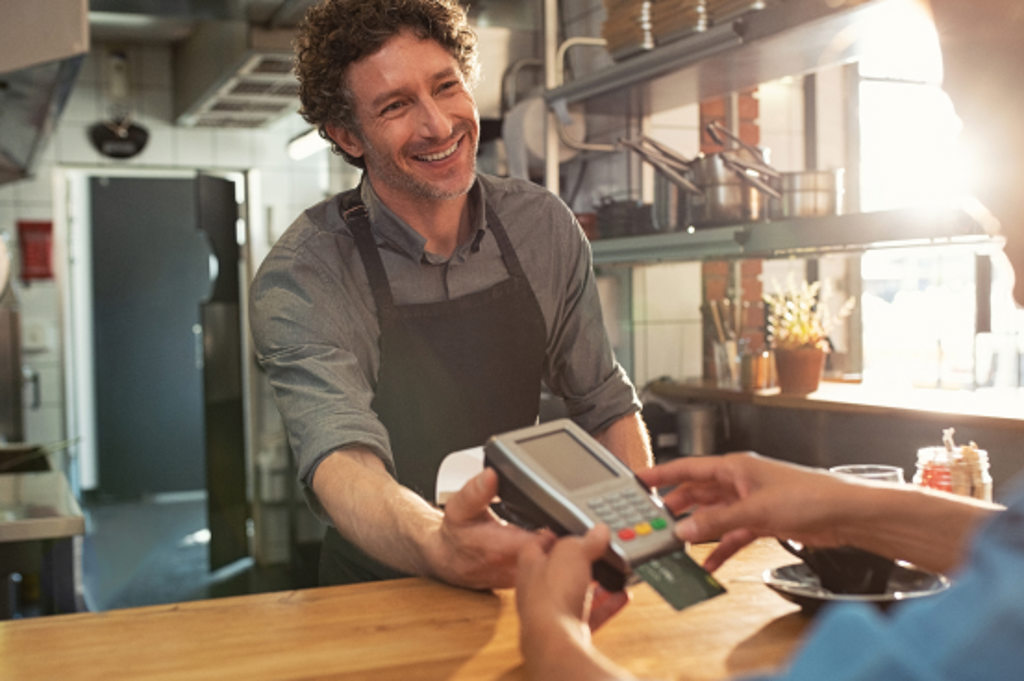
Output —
<point x="739" y="283"/>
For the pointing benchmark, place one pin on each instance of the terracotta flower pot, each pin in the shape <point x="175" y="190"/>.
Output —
<point x="799" y="369"/>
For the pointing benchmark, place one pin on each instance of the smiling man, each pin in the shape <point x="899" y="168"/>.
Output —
<point x="420" y="312"/>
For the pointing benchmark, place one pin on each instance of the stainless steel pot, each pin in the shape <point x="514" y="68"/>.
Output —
<point x="674" y="192"/>
<point x="727" y="187"/>
<point x="736" y="182"/>
<point x="754" y="158"/>
<point x="733" y="190"/>
<point x="729" y="203"/>
<point x="673" y="207"/>
<point x="809" y="193"/>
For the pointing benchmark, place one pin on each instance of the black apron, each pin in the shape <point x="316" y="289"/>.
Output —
<point x="452" y="373"/>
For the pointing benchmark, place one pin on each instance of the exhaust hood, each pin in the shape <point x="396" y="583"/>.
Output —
<point x="44" y="45"/>
<point x="235" y="74"/>
<point x="231" y="74"/>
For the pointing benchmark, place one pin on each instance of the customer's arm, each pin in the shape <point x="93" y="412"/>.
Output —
<point x="557" y="610"/>
<point x="466" y="545"/>
<point x="738" y="497"/>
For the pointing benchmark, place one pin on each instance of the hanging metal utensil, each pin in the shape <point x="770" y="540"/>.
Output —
<point x="668" y="152"/>
<point x="753" y="178"/>
<point x="662" y="164"/>
<point x="757" y="155"/>
<point x="676" y="197"/>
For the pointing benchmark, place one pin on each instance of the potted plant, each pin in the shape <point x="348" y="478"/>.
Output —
<point x="798" y="334"/>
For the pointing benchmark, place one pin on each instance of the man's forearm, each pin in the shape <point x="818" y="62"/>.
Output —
<point x="467" y="545"/>
<point x="370" y="509"/>
<point x="627" y="439"/>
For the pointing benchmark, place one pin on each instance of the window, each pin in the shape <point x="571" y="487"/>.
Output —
<point x="937" y="317"/>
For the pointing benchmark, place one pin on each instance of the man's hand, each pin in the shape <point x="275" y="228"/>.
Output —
<point x="467" y="545"/>
<point x="473" y="547"/>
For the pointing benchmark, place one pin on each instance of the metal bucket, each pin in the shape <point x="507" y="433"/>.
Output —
<point x="698" y="427"/>
<point x="809" y="193"/>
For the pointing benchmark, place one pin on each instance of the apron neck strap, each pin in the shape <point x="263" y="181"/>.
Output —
<point x="508" y="254"/>
<point x="354" y="213"/>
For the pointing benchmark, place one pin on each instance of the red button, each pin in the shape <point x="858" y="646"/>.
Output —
<point x="627" y="533"/>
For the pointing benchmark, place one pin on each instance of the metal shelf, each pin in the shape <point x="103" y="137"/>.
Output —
<point x="790" y="38"/>
<point x="802" y="236"/>
<point x="787" y="38"/>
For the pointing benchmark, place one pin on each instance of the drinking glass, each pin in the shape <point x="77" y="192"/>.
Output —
<point x="871" y="471"/>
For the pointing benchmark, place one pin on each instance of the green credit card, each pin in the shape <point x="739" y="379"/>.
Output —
<point x="679" y="580"/>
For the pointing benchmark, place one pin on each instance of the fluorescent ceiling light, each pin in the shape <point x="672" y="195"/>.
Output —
<point x="305" y="145"/>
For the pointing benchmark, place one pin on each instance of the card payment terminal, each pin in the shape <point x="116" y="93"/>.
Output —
<point x="556" y="475"/>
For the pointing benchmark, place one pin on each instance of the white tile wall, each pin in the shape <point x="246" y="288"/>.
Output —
<point x="290" y="186"/>
<point x="667" y="321"/>
<point x="667" y="349"/>
<point x="667" y="293"/>
<point x="831" y="113"/>
<point x="781" y="119"/>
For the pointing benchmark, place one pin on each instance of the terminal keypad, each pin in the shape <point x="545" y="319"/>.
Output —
<point x="628" y="513"/>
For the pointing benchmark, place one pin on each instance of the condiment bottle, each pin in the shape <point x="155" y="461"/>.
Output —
<point x="933" y="469"/>
<point x="962" y="470"/>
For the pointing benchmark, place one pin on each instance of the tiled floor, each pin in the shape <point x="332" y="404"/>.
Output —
<point x="152" y="552"/>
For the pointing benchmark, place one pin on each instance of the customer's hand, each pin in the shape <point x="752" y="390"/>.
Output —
<point x="475" y="548"/>
<point x="738" y="497"/>
<point x="559" y="607"/>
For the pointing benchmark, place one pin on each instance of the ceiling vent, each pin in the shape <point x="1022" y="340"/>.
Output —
<point x="233" y="75"/>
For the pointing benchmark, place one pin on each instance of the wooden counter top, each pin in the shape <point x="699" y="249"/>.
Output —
<point x="1000" y="408"/>
<point x="401" y="630"/>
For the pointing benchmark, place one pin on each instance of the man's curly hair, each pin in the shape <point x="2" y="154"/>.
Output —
<point x="336" y="33"/>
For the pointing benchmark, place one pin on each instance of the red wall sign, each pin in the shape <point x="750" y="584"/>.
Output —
<point x="35" y="241"/>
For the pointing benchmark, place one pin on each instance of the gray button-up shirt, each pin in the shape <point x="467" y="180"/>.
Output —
<point x="314" y="321"/>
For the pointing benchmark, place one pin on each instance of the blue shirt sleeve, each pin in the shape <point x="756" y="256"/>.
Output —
<point x="974" y="630"/>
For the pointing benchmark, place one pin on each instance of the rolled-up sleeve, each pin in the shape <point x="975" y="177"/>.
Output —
<point x="310" y="336"/>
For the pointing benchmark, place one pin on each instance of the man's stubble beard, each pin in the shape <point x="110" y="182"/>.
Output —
<point x="389" y="173"/>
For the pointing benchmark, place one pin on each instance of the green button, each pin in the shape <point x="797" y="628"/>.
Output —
<point x="658" y="523"/>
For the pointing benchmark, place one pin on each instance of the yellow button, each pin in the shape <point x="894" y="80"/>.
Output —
<point x="643" y="528"/>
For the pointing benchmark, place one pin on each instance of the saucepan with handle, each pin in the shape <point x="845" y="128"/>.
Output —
<point x="675" y="194"/>
<point x="735" y="182"/>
